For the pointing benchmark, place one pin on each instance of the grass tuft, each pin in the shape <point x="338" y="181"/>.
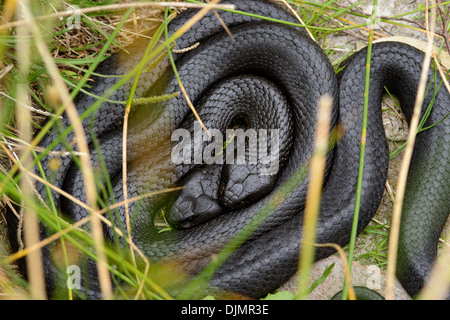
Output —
<point x="65" y="47"/>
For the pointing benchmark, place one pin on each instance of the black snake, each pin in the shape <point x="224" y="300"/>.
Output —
<point x="228" y="79"/>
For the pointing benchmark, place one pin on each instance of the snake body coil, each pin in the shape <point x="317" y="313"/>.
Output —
<point x="277" y="65"/>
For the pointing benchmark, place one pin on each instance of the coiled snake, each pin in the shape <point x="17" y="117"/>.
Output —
<point x="269" y="75"/>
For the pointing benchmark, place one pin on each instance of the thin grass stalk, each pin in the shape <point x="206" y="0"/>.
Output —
<point x="175" y="71"/>
<point x="441" y="72"/>
<point x="300" y="24"/>
<point x="203" y="277"/>
<point x="76" y="227"/>
<point x="111" y="90"/>
<point x="312" y="208"/>
<point x="129" y="75"/>
<point x="350" y="290"/>
<point x="114" y="7"/>
<point x="388" y="20"/>
<point x="89" y="181"/>
<point x="35" y="268"/>
<point x="362" y="146"/>
<point x="54" y="211"/>
<point x="125" y="135"/>
<point x="295" y="14"/>
<point x="38" y="137"/>
<point x="219" y="18"/>
<point x="158" y="50"/>
<point x="406" y="160"/>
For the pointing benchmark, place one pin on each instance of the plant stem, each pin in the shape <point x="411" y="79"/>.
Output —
<point x="312" y="208"/>
<point x="362" y="147"/>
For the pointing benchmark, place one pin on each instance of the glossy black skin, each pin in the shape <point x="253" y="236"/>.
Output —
<point x="297" y="73"/>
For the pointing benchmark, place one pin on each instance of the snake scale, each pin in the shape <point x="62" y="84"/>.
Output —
<point x="268" y="75"/>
